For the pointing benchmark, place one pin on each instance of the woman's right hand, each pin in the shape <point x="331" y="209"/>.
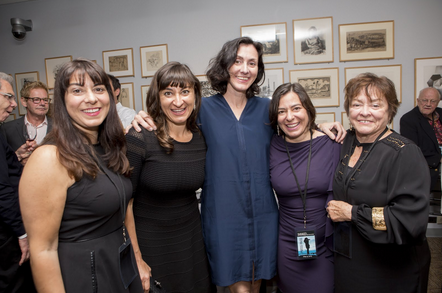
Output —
<point x="143" y="119"/>
<point x="145" y="274"/>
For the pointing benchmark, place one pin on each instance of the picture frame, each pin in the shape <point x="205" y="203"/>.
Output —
<point x="325" y="117"/>
<point x="393" y="72"/>
<point x="52" y="65"/>
<point x="322" y="85"/>
<point x="127" y="95"/>
<point x="366" y="41"/>
<point x="313" y="40"/>
<point x="345" y="121"/>
<point x="274" y="77"/>
<point x="206" y="87"/>
<point x="273" y="36"/>
<point x="152" y="58"/>
<point x="144" y="90"/>
<point x="427" y="71"/>
<point x="20" y="80"/>
<point x="119" y="63"/>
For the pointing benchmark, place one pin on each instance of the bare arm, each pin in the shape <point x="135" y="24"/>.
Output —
<point x="42" y="190"/>
<point x="334" y="130"/>
<point x="142" y="119"/>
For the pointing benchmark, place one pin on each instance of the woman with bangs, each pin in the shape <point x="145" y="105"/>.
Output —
<point x="74" y="191"/>
<point x="168" y="166"/>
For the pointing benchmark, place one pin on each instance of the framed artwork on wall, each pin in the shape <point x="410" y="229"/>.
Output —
<point x="144" y="90"/>
<point x="206" y="88"/>
<point x="427" y="73"/>
<point x="322" y="85"/>
<point x="119" y="63"/>
<point x="325" y="117"/>
<point x="52" y="66"/>
<point x="273" y="37"/>
<point x="274" y="77"/>
<point x="20" y="80"/>
<point x="127" y="95"/>
<point x="313" y="40"/>
<point x="366" y="41"/>
<point x="152" y="58"/>
<point x="393" y="72"/>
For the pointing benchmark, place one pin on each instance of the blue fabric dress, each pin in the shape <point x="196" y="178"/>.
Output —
<point x="239" y="210"/>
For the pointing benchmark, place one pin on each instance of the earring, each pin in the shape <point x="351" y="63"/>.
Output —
<point x="351" y="127"/>
<point x="277" y="130"/>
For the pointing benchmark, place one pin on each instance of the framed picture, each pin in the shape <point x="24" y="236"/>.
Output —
<point x="206" y="87"/>
<point x="274" y="77"/>
<point x="152" y="58"/>
<point x="119" y="63"/>
<point x="20" y="80"/>
<point x="427" y="73"/>
<point x="144" y="90"/>
<point x="52" y="66"/>
<point x="313" y="40"/>
<point x="366" y="41"/>
<point x="325" y="117"/>
<point x="322" y="85"/>
<point x="393" y="72"/>
<point x="127" y="95"/>
<point x="273" y="36"/>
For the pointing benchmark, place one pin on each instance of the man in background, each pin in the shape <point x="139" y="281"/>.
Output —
<point x="126" y="114"/>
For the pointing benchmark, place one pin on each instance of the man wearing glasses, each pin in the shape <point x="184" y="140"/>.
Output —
<point x="15" y="273"/>
<point x="34" y="97"/>
<point x="423" y="126"/>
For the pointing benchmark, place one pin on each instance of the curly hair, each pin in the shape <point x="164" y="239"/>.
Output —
<point x="218" y="71"/>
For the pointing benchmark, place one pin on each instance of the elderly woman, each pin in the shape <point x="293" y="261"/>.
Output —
<point x="381" y="198"/>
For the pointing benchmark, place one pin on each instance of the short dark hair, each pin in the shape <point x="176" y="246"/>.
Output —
<point x="218" y="72"/>
<point x="115" y="84"/>
<point x="306" y="102"/>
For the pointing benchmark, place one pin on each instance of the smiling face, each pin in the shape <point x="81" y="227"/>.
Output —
<point x="244" y="70"/>
<point x="177" y="104"/>
<point x="427" y="101"/>
<point x="6" y="104"/>
<point x="36" y="110"/>
<point x="293" y="118"/>
<point x="87" y="104"/>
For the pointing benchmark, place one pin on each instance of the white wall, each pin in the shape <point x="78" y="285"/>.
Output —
<point x="196" y="29"/>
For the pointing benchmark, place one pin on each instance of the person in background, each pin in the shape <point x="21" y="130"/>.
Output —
<point x="74" y="191"/>
<point x="126" y="114"/>
<point x="380" y="206"/>
<point x="302" y="164"/>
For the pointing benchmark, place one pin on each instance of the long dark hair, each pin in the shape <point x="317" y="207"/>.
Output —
<point x="74" y="147"/>
<point x="172" y="74"/>
<point x="218" y="72"/>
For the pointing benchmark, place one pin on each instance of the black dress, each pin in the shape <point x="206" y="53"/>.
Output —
<point x="91" y="233"/>
<point x="394" y="176"/>
<point x="167" y="218"/>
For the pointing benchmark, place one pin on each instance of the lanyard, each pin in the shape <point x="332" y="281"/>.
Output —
<point x="303" y="196"/>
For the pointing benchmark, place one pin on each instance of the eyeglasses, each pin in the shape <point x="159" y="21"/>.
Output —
<point x="8" y="96"/>
<point x="433" y="102"/>
<point x="38" y="100"/>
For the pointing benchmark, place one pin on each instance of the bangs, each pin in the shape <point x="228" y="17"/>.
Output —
<point x="177" y="76"/>
<point x="79" y="70"/>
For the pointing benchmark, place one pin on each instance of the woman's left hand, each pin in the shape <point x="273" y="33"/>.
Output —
<point x="339" y="211"/>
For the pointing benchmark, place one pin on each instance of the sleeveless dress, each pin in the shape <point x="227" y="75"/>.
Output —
<point x="91" y="233"/>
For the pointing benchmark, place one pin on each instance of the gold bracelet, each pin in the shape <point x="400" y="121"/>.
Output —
<point x="377" y="215"/>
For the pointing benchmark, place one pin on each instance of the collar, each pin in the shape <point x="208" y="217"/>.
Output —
<point x="45" y="121"/>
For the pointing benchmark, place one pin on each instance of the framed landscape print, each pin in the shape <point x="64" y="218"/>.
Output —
<point x="127" y="95"/>
<point x="119" y="63"/>
<point x="152" y="58"/>
<point x="273" y="37"/>
<point x="322" y="85"/>
<point x="313" y="40"/>
<point x="144" y="90"/>
<point x="20" y="80"/>
<point x="325" y="117"/>
<point x="52" y="66"/>
<point x="392" y="72"/>
<point x="427" y="73"/>
<point x="206" y="88"/>
<point x="274" y="77"/>
<point x="366" y="41"/>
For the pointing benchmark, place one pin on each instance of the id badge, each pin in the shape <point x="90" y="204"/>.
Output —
<point x="306" y="244"/>
<point x="342" y="239"/>
<point x="128" y="270"/>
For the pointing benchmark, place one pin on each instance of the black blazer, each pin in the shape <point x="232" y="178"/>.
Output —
<point x="13" y="132"/>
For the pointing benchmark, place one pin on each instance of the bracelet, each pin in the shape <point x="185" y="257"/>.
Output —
<point x="23" y="236"/>
<point x="377" y="215"/>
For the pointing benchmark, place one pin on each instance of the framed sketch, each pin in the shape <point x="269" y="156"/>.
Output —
<point x="274" y="77"/>
<point x="427" y="73"/>
<point x="52" y="66"/>
<point x="322" y="85"/>
<point x="325" y="117"/>
<point x="144" y="90"/>
<point x="152" y="58"/>
<point x="366" y="41"/>
<point x="119" y="63"/>
<point x="393" y="72"/>
<point x="20" y="80"/>
<point x="127" y="95"/>
<point x="313" y="40"/>
<point x="206" y="87"/>
<point x="273" y="37"/>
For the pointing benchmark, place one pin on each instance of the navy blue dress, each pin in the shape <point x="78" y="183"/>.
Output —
<point x="239" y="210"/>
